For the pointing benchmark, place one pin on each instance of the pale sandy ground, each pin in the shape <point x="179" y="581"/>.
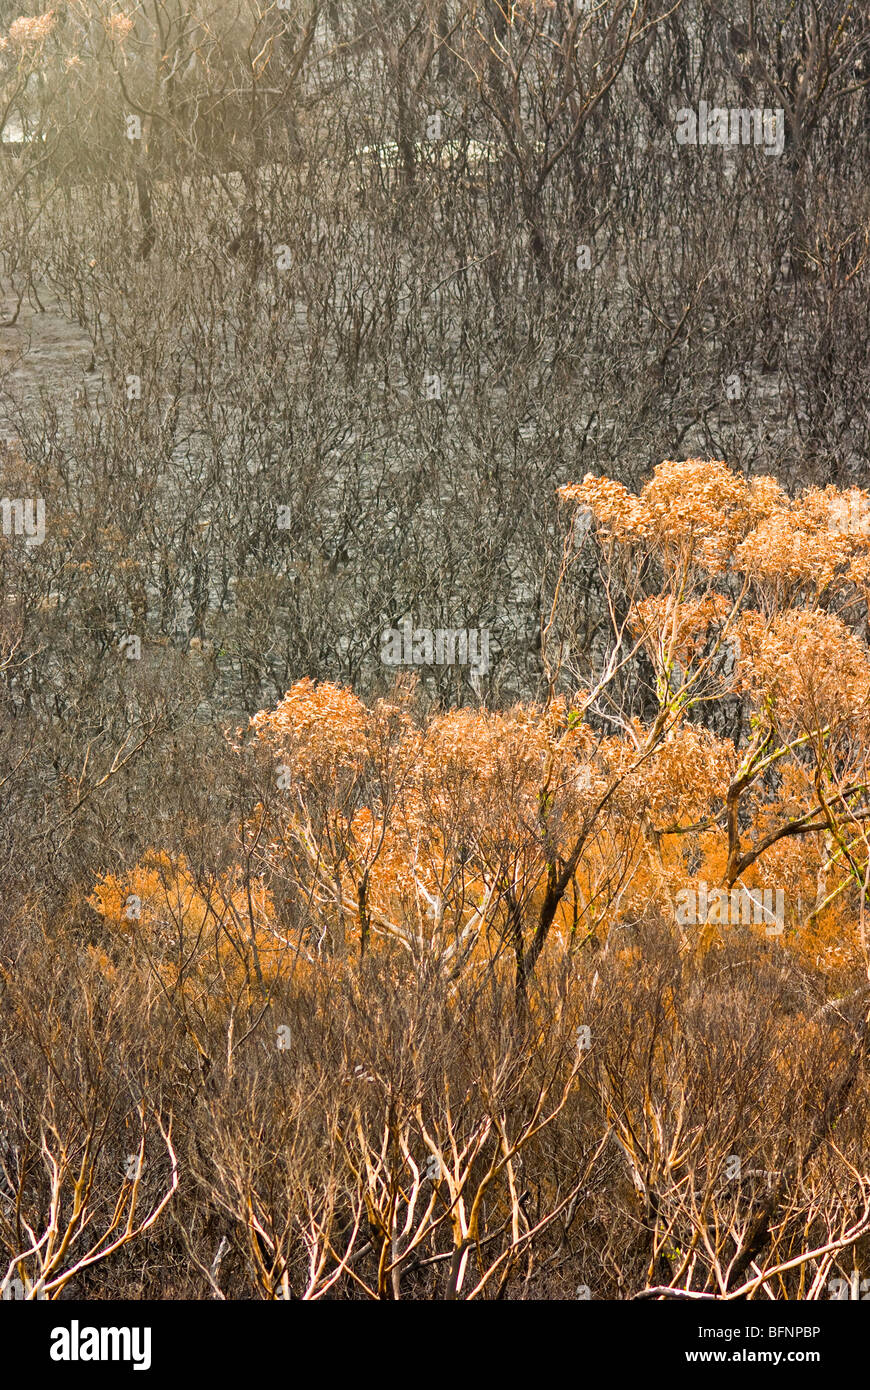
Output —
<point x="43" y="352"/>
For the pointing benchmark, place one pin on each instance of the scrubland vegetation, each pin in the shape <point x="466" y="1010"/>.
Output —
<point x="334" y="966"/>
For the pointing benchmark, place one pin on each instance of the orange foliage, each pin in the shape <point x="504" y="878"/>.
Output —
<point x="533" y="828"/>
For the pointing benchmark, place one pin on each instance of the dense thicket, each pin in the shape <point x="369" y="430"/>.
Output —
<point x="309" y="314"/>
